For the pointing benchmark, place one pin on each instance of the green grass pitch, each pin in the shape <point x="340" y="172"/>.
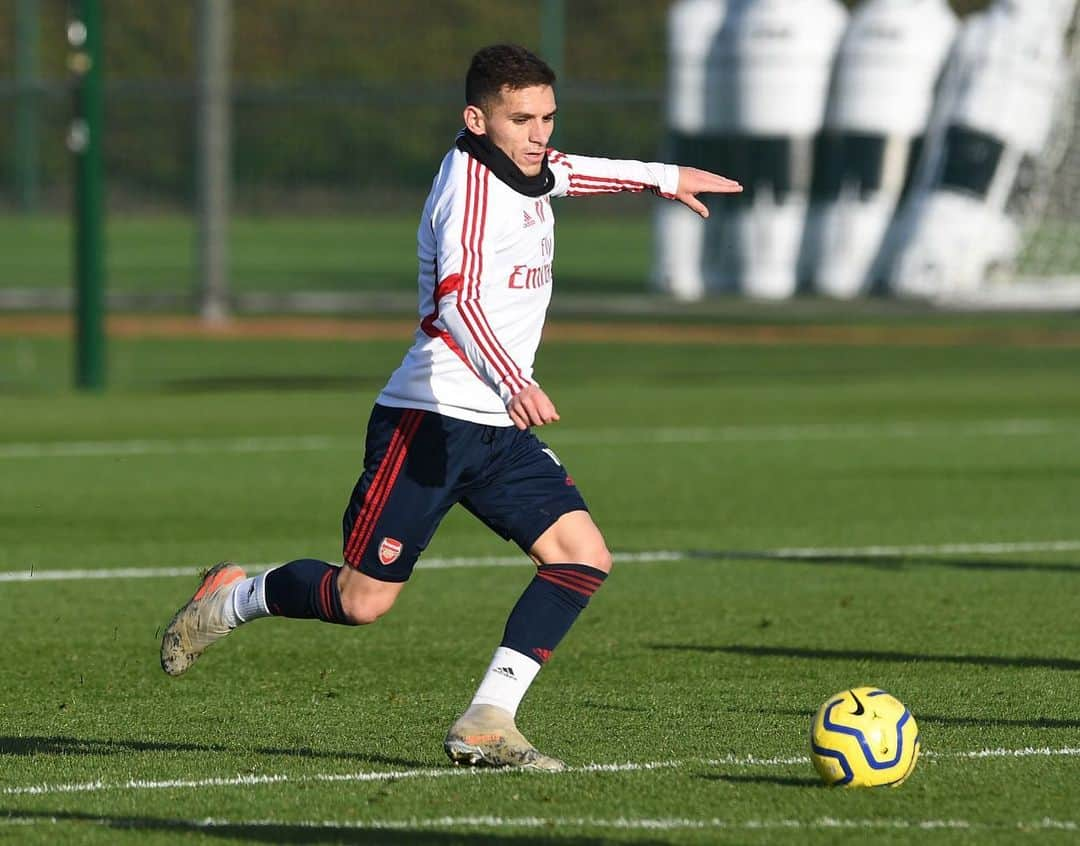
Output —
<point x="155" y="253"/>
<point x="598" y="253"/>
<point x="822" y="517"/>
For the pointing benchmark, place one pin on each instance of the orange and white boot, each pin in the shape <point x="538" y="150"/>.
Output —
<point x="201" y="621"/>
<point x="486" y="735"/>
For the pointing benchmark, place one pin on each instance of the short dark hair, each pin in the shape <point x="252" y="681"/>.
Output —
<point x="503" y="66"/>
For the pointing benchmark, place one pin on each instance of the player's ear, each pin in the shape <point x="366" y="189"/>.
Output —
<point x="475" y="121"/>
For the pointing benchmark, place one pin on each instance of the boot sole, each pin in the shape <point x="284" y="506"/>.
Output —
<point x="470" y="755"/>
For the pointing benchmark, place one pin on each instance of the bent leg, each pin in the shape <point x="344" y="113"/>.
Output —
<point x="573" y="538"/>
<point x="535" y="503"/>
<point x="572" y="562"/>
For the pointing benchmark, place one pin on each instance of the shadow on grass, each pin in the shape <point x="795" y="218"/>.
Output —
<point x="607" y="706"/>
<point x="216" y="384"/>
<point x="283" y="832"/>
<point x="883" y="562"/>
<point x="925" y="719"/>
<point x="779" y="781"/>
<point x="88" y="746"/>
<point x="1067" y="664"/>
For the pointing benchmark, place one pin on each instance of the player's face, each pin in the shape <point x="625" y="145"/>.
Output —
<point x="519" y="123"/>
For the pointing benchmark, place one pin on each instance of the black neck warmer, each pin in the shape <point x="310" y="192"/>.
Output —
<point x="495" y="160"/>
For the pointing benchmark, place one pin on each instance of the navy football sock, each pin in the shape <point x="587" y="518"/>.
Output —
<point x="305" y="589"/>
<point x="548" y="608"/>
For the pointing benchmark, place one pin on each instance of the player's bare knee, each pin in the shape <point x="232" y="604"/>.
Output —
<point x="593" y="552"/>
<point x="364" y="609"/>
<point x="590" y="548"/>
<point x="600" y="558"/>
<point x="363" y="599"/>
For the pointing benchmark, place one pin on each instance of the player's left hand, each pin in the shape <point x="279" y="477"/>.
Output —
<point x="693" y="181"/>
<point x="531" y="407"/>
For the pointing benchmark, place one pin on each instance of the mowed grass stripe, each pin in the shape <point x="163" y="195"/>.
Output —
<point x="669" y="435"/>
<point x="742" y="761"/>
<point x="654" y="556"/>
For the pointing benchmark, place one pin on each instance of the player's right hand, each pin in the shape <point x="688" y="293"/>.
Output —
<point x="531" y="407"/>
<point x="694" y="181"/>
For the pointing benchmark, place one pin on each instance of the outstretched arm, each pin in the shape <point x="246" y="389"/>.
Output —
<point x="583" y="176"/>
<point x="693" y="181"/>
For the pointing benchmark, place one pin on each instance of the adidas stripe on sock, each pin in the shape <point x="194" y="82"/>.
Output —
<point x="507" y="680"/>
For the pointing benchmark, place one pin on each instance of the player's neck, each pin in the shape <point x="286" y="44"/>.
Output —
<point x="485" y="152"/>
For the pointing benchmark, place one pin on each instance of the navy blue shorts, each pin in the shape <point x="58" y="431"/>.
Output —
<point x="417" y="464"/>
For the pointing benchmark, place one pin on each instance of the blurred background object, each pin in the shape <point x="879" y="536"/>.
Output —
<point x="263" y="155"/>
<point x="974" y="155"/>
<point x="989" y="154"/>
<point x="882" y="95"/>
<point x="775" y="58"/>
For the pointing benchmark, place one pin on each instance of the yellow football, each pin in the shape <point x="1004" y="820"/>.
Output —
<point x="864" y="737"/>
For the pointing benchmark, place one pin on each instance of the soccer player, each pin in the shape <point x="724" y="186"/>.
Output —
<point x="454" y="422"/>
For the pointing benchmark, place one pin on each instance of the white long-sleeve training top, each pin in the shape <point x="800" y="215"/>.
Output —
<point x="485" y="280"/>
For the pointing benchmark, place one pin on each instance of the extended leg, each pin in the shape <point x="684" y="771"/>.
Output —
<point x="302" y="589"/>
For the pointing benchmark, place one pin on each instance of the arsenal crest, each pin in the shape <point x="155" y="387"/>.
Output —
<point x="389" y="550"/>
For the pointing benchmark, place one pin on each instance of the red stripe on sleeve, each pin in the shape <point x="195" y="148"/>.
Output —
<point x="580" y="184"/>
<point x="470" y="309"/>
<point x="448" y="285"/>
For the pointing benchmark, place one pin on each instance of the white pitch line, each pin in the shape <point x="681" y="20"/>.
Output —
<point x="188" y="572"/>
<point x="813" y="432"/>
<point x="927" y="549"/>
<point x="612" y="437"/>
<point x="183" y="446"/>
<point x="646" y="557"/>
<point x="99" y="785"/>
<point x="552" y="823"/>
<point x="1026" y="752"/>
<point x="82" y="575"/>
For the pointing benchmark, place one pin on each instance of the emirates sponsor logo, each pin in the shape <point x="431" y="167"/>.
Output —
<point x="524" y="276"/>
<point x="389" y="550"/>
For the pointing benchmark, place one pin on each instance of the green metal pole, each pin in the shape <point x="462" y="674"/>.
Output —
<point x="84" y="139"/>
<point x="553" y="40"/>
<point x="27" y="33"/>
<point x="553" y="34"/>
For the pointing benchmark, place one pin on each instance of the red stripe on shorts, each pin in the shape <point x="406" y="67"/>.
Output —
<point x="379" y="491"/>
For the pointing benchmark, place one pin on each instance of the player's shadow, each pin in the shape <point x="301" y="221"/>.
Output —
<point x="1067" y="664"/>
<point x="281" y="832"/>
<point x="885" y="562"/>
<point x="68" y="746"/>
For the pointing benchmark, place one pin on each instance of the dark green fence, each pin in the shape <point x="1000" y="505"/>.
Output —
<point x="338" y="104"/>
